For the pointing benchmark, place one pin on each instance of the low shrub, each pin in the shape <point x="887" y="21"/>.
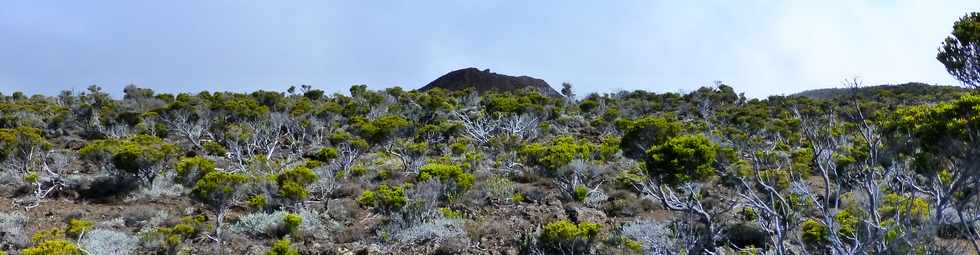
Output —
<point x="386" y="198"/>
<point x="291" y="222"/>
<point x="191" y="169"/>
<point x="325" y="154"/>
<point x="257" y="201"/>
<point x="102" y="241"/>
<point x="293" y="182"/>
<point x="215" y="149"/>
<point x="168" y="240"/>
<point x="278" y="224"/>
<point x="567" y="237"/>
<point x="498" y="189"/>
<point x="451" y="175"/>
<point x="53" y="247"/>
<point x="13" y="225"/>
<point x="130" y="155"/>
<point x="653" y="236"/>
<point x="282" y="247"/>
<point x="814" y="232"/>
<point x="78" y="227"/>
<point x="431" y="232"/>
<point x="559" y="152"/>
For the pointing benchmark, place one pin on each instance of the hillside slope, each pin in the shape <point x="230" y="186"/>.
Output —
<point x="908" y="93"/>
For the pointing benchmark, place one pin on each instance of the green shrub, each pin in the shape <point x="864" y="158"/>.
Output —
<point x="282" y="247"/>
<point x="894" y="206"/>
<point x="627" y="178"/>
<point x="358" y="170"/>
<point x="130" y="155"/>
<point x="449" y="213"/>
<point x="633" y="245"/>
<point x="32" y="177"/>
<point x="517" y="197"/>
<point x="609" y="147"/>
<point x="814" y="232"/>
<point x="459" y="146"/>
<point x="380" y="129"/>
<point x="515" y="102"/>
<point x="778" y="178"/>
<point x="216" y="149"/>
<point x="587" y="105"/>
<point x="557" y="153"/>
<point x="171" y="238"/>
<point x="386" y="198"/>
<point x="447" y="174"/>
<point x="190" y="169"/>
<point x="257" y="202"/>
<point x="640" y="134"/>
<point x="569" y="237"/>
<point x="339" y="137"/>
<point x="217" y="190"/>
<point x="325" y="154"/>
<point x="292" y="183"/>
<point x="77" y="227"/>
<point x="48" y="234"/>
<point x="848" y="222"/>
<point x="291" y="222"/>
<point x="498" y="188"/>
<point x="217" y="187"/>
<point x="17" y="141"/>
<point x="53" y="247"/>
<point x="581" y="192"/>
<point x="241" y="107"/>
<point x="681" y="159"/>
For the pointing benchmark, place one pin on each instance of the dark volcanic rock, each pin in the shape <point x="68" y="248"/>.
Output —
<point x="485" y="80"/>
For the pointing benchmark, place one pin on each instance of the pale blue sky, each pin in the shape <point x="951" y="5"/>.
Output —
<point x="759" y="47"/>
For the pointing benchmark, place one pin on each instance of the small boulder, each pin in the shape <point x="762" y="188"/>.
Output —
<point x="580" y="214"/>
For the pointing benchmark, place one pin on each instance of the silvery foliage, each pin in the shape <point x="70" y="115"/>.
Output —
<point x="259" y="223"/>
<point x="12" y="220"/>
<point x="326" y="184"/>
<point x="434" y="231"/>
<point x="471" y="101"/>
<point x="154" y="222"/>
<point x="164" y="185"/>
<point x="347" y="155"/>
<point x="595" y="197"/>
<point x="655" y="236"/>
<point x="183" y="123"/>
<point x="108" y="242"/>
<point x="480" y="129"/>
<point x="50" y="167"/>
<point x="12" y="230"/>
<point x="10" y="177"/>
<point x="420" y="222"/>
<point x="498" y="188"/>
<point x="117" y="131"/>
<point x="117" y="222"/>
<point x="422" y="207"/>
<point x="268" y="224"/>
<point x="381" y="109"/>
<point x="524" y="126"/>
<point x="579" y="173"/>
<point x="311" y="224"/>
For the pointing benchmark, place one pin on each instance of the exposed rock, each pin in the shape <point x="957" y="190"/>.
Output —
<point x="580" y="214"/>
<point x="483" y="81"/>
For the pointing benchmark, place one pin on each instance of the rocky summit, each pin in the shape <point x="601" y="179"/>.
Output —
<point x="485" y="80"/>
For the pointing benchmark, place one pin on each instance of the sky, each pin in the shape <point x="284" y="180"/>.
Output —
<point x="759" y="47"/>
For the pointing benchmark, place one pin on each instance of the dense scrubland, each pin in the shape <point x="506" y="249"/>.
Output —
<point x="859" y="170"/>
